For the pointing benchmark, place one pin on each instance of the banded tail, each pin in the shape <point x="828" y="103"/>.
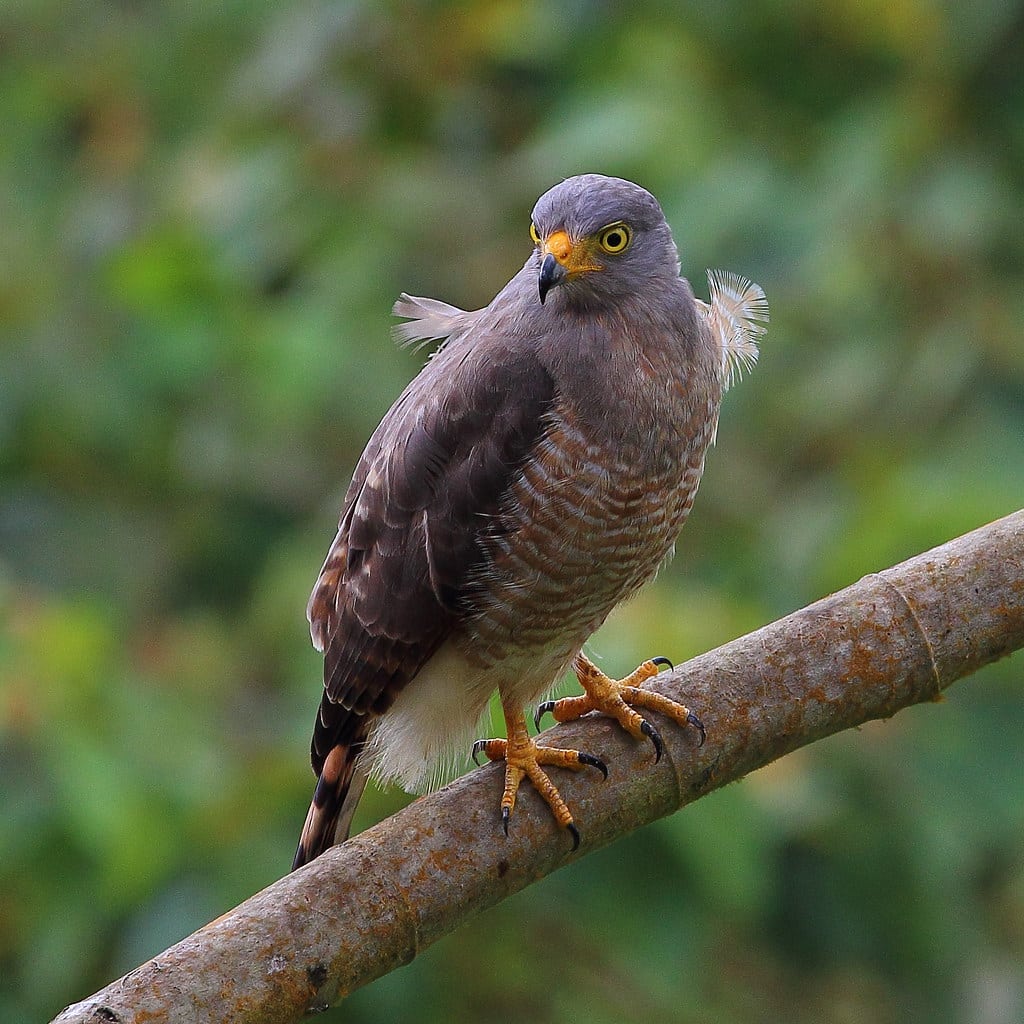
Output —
<point x="337" y="793"/>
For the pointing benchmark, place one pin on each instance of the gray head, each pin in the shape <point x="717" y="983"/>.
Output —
<point x="600" y="239"/>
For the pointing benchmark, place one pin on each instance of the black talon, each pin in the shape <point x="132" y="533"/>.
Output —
<point x="594" y="762"/>
<point x="575" y="833"/>
<point x="540" y="711"/>
<point x="693" y="720"/>
<point x="655" y="737"/>
<point x="663" y="661"/>
<point x="505" y="814"/>
<point x="477" y="747"/>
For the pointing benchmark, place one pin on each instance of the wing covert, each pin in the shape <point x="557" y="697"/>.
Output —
<point x="406" y="562"/>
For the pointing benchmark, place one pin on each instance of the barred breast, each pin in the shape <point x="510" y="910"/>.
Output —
<point x="584" y="527"/>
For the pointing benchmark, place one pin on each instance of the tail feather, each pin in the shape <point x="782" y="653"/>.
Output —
<point x="337" y="793"/>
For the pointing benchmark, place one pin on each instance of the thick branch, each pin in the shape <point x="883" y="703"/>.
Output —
<point x="894" y="639"/>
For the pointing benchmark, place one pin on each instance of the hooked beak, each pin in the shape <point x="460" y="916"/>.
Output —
<point x="562" y="259"/>
<point x="552" y="274"/>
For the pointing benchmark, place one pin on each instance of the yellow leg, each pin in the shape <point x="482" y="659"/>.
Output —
<point x="523" y="758"/>
<point x="617" y="699"/>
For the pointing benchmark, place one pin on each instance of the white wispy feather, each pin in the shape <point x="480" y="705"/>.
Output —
<point x="737" y="315"/>
<point x="429" y="320"/>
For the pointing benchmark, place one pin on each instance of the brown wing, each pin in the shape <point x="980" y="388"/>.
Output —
<point x="424" y="494"/>
<point x="406" y="562"/>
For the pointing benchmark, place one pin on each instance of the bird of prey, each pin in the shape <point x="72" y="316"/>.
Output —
<point x="534" y="474"/>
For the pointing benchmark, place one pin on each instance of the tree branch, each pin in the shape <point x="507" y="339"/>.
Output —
<point x="894" y="639"/>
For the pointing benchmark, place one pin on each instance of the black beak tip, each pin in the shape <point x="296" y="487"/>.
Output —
<point x="552" y="273"/>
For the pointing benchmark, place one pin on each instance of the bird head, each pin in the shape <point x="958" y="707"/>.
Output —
<point x="600" y="237"/>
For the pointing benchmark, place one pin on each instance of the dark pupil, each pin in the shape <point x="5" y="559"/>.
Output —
<point x="613" y="240"/>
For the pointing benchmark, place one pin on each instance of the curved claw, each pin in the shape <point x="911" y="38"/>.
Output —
<point x="505" y="815"/>
<point x="663" y="661"/>
<point x="594" y="762"/>
<point x="693" y="720"/>
<point x="575" y="833"/>
<point x="655" y="737"/>
<point x="540" y="711"/>
<point x="477" y="747"/>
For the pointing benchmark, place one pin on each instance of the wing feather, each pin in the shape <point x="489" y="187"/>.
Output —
<point x="737" y="315"/>
<point x="428" y="320"/>
<point x="406" y="562"/>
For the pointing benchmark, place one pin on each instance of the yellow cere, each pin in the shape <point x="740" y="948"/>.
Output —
<point x="577" y="257"/>
<point x="559" y="244"/>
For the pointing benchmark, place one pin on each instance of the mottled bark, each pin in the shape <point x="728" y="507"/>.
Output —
<point x="894" y="639"/>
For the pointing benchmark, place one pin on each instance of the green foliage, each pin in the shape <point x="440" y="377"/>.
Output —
<point x="208" y="210"/>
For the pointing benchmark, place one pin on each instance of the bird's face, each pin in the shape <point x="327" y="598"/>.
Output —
<point x="601" y="238"/>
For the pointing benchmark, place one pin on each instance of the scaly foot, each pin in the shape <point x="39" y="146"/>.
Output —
<point x="617" y="698"/>
<point x="523" y="758"/>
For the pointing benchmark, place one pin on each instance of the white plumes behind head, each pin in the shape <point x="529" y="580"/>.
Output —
<point x="428" y="320"/>
<point x="737" y="314"/>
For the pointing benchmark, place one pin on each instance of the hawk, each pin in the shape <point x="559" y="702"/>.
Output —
<point x="534" y="474"/>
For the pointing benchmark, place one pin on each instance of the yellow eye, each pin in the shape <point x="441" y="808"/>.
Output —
<point x="615" y="237"/>
<point x="535" y="234"/>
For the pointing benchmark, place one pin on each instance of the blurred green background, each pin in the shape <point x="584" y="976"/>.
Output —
<point x="206" y="213"/>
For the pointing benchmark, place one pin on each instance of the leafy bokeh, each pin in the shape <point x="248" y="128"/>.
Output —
<point x="207" y="210"/>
